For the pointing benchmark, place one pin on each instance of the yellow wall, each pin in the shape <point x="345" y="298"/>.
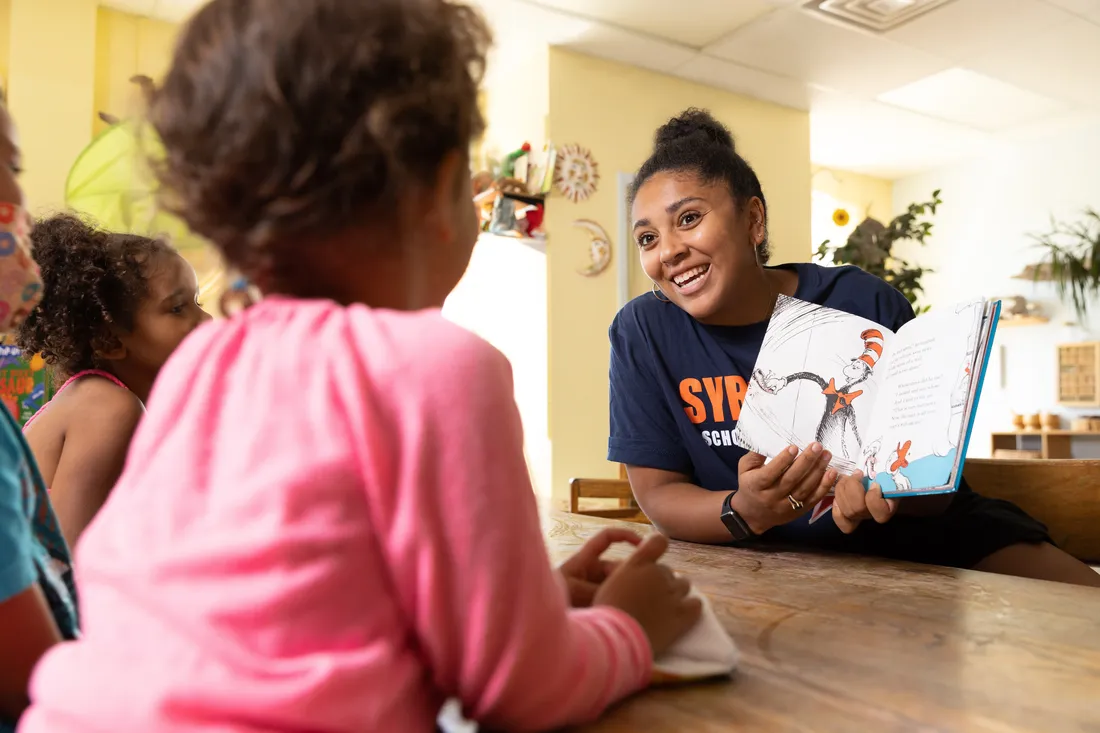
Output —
<point x="867" y="195"/>
<point x="62" y="62"/>
<point x="51" y="65"/>
<point x="5" y="40"/>
<point x="614" y="111"/>
<point x="127" y="45"/>
<point x="517" y="102"/>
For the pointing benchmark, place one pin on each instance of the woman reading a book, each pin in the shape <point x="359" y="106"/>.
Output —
<point x="682" y="358"/>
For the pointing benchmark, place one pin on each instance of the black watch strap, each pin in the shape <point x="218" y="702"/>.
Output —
<point x="735" y="523"/>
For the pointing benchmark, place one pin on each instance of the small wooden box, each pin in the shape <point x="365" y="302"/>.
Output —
<point x="1079" y="374"/>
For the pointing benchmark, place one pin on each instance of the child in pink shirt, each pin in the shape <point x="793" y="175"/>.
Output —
<point x="325" y="521"/>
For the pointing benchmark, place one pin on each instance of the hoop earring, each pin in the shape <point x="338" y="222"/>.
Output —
<point x="657" y="294"/>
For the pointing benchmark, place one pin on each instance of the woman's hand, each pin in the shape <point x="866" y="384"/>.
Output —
<point x="853" y="504"/>
<point x="784" y="489"/>
<point x="585" y="572"/>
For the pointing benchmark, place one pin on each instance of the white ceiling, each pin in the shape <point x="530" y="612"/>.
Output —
<point x="956" y="82"/>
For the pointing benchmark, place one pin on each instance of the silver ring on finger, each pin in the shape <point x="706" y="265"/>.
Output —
<point x="795" y="503"/>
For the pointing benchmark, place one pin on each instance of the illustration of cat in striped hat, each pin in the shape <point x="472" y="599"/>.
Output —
<point x="839" y="419"/>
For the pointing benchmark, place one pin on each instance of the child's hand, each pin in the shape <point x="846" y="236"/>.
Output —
<point x="853" y="504"/>
<point x="585" y="571"/>
<point x="650" y="592"/>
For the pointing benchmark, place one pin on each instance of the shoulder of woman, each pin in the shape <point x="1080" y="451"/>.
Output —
<point x="645" y="311"/>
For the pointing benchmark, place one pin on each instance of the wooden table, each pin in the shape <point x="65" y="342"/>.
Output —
<point x="849" y="644"/>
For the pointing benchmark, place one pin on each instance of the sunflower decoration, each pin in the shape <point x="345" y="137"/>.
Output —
<point x="841" y="217"/>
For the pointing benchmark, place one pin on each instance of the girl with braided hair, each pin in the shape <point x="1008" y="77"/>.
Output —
<point x="114" y="308"/>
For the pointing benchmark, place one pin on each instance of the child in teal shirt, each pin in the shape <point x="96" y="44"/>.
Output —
<point x="37" y="597"/>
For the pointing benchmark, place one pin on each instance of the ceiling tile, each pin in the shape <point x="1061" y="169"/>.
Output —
<point x="969" y="98"/>
<point x="950" y="30"/>
<point x="800" y="45"/>
<point x="694" y="23"/>
<point x="626" y="47"/>
<point x="743" y="80"/>
<point x="1085" y="8"/>
<point x="1062" y="63"/>
<point x="880" y="140"/>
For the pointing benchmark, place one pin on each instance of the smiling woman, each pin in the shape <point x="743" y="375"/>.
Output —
<point x="681" y="357"/>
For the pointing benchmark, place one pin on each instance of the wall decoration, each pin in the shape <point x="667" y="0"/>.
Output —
<point x="599" y="247"/>
<point x="577" y="173"/>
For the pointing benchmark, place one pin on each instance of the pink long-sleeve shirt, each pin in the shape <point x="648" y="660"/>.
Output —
<point x="326" y="524"/>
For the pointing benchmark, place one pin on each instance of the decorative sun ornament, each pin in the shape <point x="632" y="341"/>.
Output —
<point x="577" y="173"/>
<point x="841" y="218"/>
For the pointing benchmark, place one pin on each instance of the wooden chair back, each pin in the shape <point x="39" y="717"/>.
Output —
<point x="1062" y="494"/>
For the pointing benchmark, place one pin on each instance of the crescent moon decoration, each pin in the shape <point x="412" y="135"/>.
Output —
<point x="599" y="247"/>
<point x="576" y="173"/>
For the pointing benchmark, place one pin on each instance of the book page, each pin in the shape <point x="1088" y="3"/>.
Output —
<point x="814" y="381"/>
<point x="925" y="390"/>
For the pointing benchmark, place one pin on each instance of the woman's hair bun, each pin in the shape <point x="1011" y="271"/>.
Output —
<point x="696" y="124"/>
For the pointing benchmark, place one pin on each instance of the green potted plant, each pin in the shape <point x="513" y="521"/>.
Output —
<point x="1071" y="260"/>
<point x="870" y="247"/>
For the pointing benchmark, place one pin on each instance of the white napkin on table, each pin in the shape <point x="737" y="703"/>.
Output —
<point x="703" y="652"/>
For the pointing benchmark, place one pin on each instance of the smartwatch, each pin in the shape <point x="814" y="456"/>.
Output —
<point x="735" y="523"/>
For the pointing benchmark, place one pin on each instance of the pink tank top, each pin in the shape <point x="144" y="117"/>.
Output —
<point x="70" y="380"/>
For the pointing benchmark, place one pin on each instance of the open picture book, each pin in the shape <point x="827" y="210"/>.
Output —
<point x="897" y="406"/>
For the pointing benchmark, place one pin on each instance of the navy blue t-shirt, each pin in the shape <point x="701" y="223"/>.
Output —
<point x="677" y="385"/>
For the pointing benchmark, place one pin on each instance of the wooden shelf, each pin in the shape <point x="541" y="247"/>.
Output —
<point x="1052" y="443"/>
<point x="1047" y="432"/>
<point x="1023" y="321"/>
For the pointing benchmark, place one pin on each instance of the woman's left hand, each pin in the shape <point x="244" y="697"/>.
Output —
<point x="585" y="571"/>
<point x="853" y="504"/>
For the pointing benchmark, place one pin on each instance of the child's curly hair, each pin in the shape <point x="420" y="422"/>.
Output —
<point x="287" y="118"/>
<point x="94" y="281"/>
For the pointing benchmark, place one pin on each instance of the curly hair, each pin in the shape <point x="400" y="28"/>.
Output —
<point x="696" y="142"/>
<point x="94" y="281"/>
<point x="281" y="119"/>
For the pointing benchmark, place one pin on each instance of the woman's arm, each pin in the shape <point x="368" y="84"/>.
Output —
<point x="763" y="499"/>
<point x="678" y="507"/>
<point x="94" y="453"/>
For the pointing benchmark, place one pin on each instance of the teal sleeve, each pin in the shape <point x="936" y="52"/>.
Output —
<point x="17" y="571"/>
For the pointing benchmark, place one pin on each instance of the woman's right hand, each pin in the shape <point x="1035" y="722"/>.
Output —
<point x="763" y="489"/>
<point x="652" y="594"/>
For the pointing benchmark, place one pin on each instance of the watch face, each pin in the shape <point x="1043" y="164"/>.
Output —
<point x="736" y="526"/>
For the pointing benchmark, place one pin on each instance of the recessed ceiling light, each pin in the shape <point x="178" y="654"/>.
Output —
<point x="875" y="15"/>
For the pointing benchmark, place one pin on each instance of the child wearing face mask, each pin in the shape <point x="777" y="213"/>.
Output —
<point x="37" y="597"/>
<point x="114" y="308"/>
<point x="325" y="522"/>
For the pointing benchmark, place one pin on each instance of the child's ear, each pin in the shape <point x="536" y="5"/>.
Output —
<point x="451" y="182"/>
<point x="109" y="348"/>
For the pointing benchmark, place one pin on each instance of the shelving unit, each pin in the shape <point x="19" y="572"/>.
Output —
<point x="1024" y="321"/>
<point x="1052" y="443"/>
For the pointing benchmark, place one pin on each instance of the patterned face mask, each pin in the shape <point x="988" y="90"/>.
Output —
<point x="20" y="282"/>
